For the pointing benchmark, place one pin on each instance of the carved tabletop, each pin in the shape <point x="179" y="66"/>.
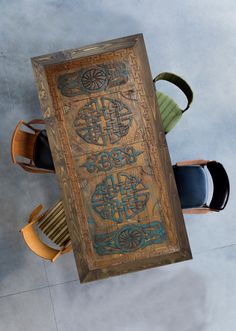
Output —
<point x="111" y="158"/>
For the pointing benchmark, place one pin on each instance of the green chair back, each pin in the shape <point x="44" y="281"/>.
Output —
<point x="171" y="113"/>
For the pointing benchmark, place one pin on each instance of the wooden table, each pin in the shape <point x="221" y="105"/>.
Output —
<point x="111" y="158"/>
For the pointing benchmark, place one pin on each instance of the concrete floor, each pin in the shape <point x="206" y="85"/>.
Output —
<point x="195" y="39"/>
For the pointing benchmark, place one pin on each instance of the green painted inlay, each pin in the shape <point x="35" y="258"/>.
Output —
<point x="93" y="79"/>
<point x="116" y="158"/>
<point x="119" y="197"/>
<point x="130" y="238"/>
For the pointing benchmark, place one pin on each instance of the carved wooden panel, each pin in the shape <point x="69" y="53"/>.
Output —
<point x="111" y="158"/>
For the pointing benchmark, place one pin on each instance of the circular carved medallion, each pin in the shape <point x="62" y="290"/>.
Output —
<point x="94" y="79"/>
<point x="120" y="197"/>
<point x="103" y="121"/>
<point x="130" y="238"/>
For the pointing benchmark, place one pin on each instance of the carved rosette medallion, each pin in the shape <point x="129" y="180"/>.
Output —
<point x="129" y="238"/>
<point x="93" y="79"/>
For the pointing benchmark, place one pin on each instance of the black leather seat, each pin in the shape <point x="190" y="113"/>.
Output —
<point x="191" y="183"/>
<point x="42" y="155"/>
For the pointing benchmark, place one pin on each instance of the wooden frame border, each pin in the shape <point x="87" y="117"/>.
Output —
<point x="88" y="270"/>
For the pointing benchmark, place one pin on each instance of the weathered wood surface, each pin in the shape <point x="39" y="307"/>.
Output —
<point x="111" y="158"/>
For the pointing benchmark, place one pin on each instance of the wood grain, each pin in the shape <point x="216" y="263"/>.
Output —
<point x="111" y="158"/>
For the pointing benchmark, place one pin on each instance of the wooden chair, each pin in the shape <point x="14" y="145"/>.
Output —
<point x="171" y="113"/>
<point x="33" y="146"/>
<point x="192" y="184"/>
<point x="52" y="224"/>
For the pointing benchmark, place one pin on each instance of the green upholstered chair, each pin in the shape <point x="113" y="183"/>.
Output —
<point x="171" y="113"/>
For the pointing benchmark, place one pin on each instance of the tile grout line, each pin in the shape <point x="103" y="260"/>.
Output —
<point x="37" y="288"/>
<point x="213" y="249"/>
<point x="75" y="280"/>
<point x="50" y="294"/>
<point x="22" y="292"/>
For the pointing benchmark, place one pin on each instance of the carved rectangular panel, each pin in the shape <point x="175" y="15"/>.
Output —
<point x="111" y="158"/>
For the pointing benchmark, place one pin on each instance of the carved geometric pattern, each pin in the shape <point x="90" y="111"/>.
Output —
<point x="130" y="238"/>
<point x="132" y="52"/>
<point x="103" y="120"/>
<point x="119" y="197"/>
<point x="107" y="160"/>
<point x="93" y="79"/>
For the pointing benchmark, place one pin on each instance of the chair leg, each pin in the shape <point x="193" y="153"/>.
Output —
<point x="67" y="249"/>
<point x="56" y="256"/>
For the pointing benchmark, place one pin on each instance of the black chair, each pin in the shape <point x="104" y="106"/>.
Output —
<point x="31" y="144"/>
<point x="43" y="157"/>
<point x="192" y="184"/>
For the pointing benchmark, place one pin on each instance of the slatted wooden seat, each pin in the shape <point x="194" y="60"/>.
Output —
<point x="52" y="224"/>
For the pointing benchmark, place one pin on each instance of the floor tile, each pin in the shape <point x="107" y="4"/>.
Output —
<point x="62" y="270"/>
<point x="21" y="270"/>
<point x="14" y="200"/>
<point x="187" y="296"/>
<point x="40" y="38"/>
<point x="21" y="191"/>
<point x="6" y="111"/>
<point x="43" y="189"/>
<point x="22" y="89"/>
<point x="27" y="311"/>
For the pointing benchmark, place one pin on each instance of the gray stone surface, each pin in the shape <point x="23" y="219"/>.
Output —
<point x="195" y="39"/>
<point x="186" y="296"/>
<point x="20" y="269"/>
<point x="31" y="310"/>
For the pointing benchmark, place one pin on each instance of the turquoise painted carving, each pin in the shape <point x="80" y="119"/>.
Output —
<point x="93" y="79"/>
<point x="130" y="238"/>
<point x="116" y="158"/>
<point x="103" y="120"/>
<point x="119" y="197"/>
